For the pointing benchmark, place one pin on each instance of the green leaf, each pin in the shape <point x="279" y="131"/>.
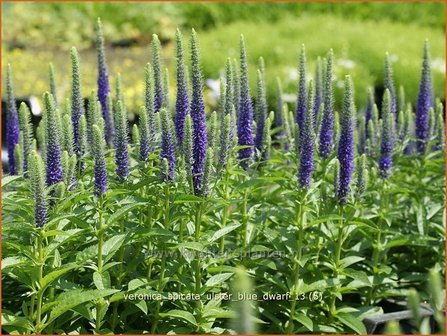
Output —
<point x="415" y="240"/>
<point x="136" y="283"/>
<point x="350" y="261"/>
<point x="180" y="314"/>
<point x="359" y="222"/>
<point x="123" y="211"/>
<point x="144" y="182"/>
<point x="324" y="219"/>
<point x="218" y="313"/>
<point x="101" y="280"/>
<point x="13" y="262"/>
<point x="50" y="277"/>
<point x="16" y="321"/>
<point x="187" y="199"/>
<point x="305" y="321"/>
<point x="223" y="232"/>
<point x="142" y="305"/>
<point x="191" y="245"/>
<point x="433" y="210"/>
<point x="352" y="322"/>
<point x="9" y="179"/>
<point x="55" y="233"/>
<point x="68" y="300"/>
<point x="357" y="275"/>
<point x="397" y="241"/>
<point x="112" y="245"/>
<point x="218" y="279"/>
<point x="222" y="268"/>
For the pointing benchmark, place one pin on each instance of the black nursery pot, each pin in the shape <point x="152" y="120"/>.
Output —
<point x="396" y="311"/>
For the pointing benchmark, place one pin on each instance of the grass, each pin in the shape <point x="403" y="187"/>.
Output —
<point x="363" y="42"/>
<point x="64" y="25"/>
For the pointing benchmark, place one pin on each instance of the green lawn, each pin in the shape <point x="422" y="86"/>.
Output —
<point x="359" y="48"/>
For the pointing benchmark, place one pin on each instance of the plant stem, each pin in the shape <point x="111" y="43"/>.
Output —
<point x="375" y="262"/>
<point x="299" y="221"/>
<point x="338" y="248"/>
<point x="99" y="265"/>
<point x="39" y="279"/>
<point x="244" y="220"/>
<point x="198" y="284"/>
<point x="197" y="222"/>
<point x="223" y="224"/>
<point x="225" y="210"/>
<point x="149" y="243"/>
<point x="167" y="208"/>
<point x="100" y="239"/>
<point x="377" y="247"/>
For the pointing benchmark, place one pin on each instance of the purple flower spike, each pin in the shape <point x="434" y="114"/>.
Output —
<point x="306" y="135"/>
<point x="346" y="143"/>
<point x="103" y="82"/>
<point x="52" y="137"/>
<point x="100" y="164"/>
<point x="424" y="102"/>
<point x="389" y="84"/>
<point x="318" y="90"/>
<point x="279" y="106"/>
<point x="301" y="104"/>
<point x="387" y="144"/>
<point x="261" y="111"/>
<point x="168" y="143"/>
<point x="200" y="140"/>
<point x="121" y="142"/>
<point x="12" y="124"/>
<point x="369" y="110"/>
<point x="245" y="116"/>
<point x="159" y="94"/>
<point x="37" y="183"/>
<point x="182" y="102"/>
<point x="327" y="122"/>
<point x="77" y="105"/>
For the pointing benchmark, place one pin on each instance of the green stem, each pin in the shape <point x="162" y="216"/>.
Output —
<point x="32" y="304"/>
<point x="197" y="222"/>
<point x="198" y="275"/>
<point x="149" y="243"/>
<point x="376" y="257"/>
<point x="167" y="209"/>
<point x="244" y="220"/>
<point x="225" y="210"/>
<point x="100" y="262"/>
<point x="100" y="242"/>
<point x="375" y="263"/>
<point x="223" y="224"/>
<point x="299" y="221"/>
<point x="338" y="249"/>
<point x="39" y="279"/>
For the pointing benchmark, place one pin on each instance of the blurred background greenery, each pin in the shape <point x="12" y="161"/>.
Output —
<point x="35" y="34"/>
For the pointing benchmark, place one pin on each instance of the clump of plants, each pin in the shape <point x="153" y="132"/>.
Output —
<point x="320" y="215"/>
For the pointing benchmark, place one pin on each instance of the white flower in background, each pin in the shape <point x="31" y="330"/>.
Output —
<point x="289" y="98"/>
<point x="292" y="74"/>
<point x="214" y="93"/>
<point x="438" y="64"/>
<point x="346" y="63"/>
<point x="394" y="58"/>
